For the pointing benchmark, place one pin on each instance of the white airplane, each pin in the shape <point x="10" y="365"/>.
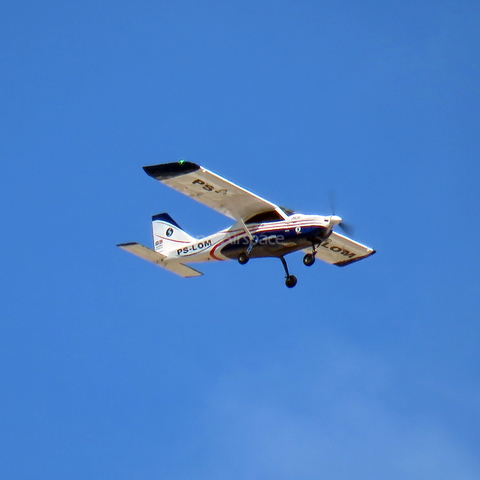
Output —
<point x="262" y="229"/>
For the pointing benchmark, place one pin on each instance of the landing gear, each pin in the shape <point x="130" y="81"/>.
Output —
<point x="290" y="280"/>
<point x="243" y="258"/>
<point x="253" y="242"/>
<point x="309" y="259"/>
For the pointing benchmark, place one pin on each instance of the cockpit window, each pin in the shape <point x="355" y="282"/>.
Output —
<point x="271" y="216"/>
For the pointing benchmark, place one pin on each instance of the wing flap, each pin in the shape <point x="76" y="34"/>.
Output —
<point x="159" y="259"/>
<point x="341" y="251"/>
<point x="210" y="189"/>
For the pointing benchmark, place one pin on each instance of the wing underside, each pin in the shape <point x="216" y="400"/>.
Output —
<point x="210" y="189"/>
<point x="341" y="251"/>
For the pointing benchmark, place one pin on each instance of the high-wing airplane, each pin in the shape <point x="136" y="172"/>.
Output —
<point x="261" y="228"/>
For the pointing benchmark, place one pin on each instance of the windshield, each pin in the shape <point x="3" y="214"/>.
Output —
<point x="288" y="211"/>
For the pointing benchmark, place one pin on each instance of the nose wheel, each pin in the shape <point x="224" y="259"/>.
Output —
<point x="309" y="259"/>
<point x="290" y="280"/>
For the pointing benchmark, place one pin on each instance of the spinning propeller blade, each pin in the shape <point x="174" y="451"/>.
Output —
<point x="347" y="228"/>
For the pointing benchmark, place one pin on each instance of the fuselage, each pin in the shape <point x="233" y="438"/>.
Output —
<point x="271" y="239"/>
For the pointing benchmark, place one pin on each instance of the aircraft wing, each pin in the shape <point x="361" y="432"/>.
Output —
<point x="341" y="251"/>
<point x="159" y="259"/>
<point x="210" y="189"/>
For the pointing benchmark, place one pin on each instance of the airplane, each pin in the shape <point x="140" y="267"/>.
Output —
<point x="261" y="229"/>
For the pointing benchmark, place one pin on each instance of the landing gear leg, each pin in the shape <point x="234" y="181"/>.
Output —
<point x="253" y="242"/>
<point x="244" y="257"/>
<point x="290" y="280"/>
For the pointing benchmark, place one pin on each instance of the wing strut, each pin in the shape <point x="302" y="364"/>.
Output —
<point x="253" y="240"/>
<point x="247" y="231"/>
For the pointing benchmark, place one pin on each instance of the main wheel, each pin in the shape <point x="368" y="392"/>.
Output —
<point x="291" y="281"/>
<point x="309" y="259"/>
<point x="243" y="259"/>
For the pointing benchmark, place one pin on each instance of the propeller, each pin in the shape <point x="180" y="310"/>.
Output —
<point x="347" y="228"/>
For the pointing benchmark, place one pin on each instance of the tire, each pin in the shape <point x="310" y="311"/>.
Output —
<point x="243" y="259"/>
<point x="291" y="281"/>
<point x="309" y="259"/>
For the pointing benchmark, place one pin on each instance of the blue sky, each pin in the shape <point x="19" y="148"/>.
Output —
<point x="112" y="368"/>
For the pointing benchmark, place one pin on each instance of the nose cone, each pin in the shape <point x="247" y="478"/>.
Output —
<point x="335" y="220"/>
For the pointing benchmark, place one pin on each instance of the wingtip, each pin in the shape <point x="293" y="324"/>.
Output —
<point x="165" y="171"/>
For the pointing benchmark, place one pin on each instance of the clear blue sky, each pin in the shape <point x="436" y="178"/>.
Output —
<point x="113" y="368"/>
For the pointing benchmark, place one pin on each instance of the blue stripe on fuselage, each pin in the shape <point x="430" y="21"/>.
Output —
<point x="274" y="242"/>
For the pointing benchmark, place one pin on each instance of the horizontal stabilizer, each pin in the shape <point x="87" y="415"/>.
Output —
<point x="160" y="260"/>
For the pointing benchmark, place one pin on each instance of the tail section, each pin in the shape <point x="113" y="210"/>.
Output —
<point x="167" y="234"/>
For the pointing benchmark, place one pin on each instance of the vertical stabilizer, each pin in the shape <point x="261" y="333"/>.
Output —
<point x="167" y="234"/>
